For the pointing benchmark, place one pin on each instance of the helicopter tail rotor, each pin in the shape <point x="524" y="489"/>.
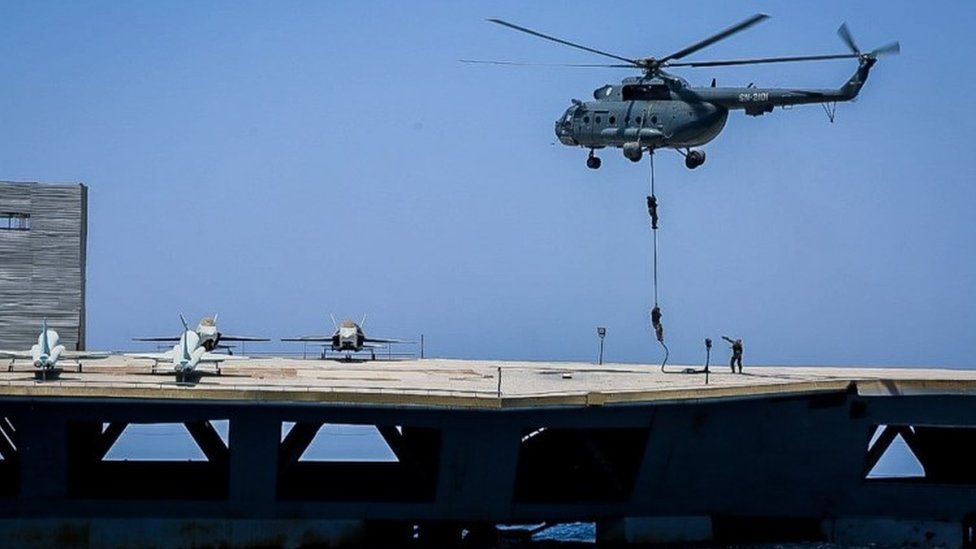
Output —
<point x="888" y="49"/>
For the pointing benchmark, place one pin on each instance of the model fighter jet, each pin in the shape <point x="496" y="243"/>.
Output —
<point x="186" y="355"/>
<point x="210" y="337"/>
<point x="46" y="353"/>
<point x="348" y="337"/>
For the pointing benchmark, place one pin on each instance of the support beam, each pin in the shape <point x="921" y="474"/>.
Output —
<point x="42" y="454"/>
<point x="208" y="440"/>
<point x="109" y="437"/>
<point x="296" y="442"/>
<point x="253" y="440"/>
<point x="403" y="449"/>
<point x="8" y="440"/>
<point x="880" y="446"/>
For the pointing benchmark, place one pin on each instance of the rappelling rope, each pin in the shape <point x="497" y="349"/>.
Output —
<point x="654" y="227"/>
<point x="656" y="311"/>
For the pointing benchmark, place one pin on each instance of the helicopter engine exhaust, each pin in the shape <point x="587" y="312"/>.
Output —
<point x="633" y="151"/>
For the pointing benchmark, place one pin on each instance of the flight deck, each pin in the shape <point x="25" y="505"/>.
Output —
<point x="469" y="383"/>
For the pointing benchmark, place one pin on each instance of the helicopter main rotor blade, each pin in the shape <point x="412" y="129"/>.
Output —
<point x="722" y="35"/>
<point x="632" y="62"/>
<point x="761" y="60"/>
<point x="848" y="38"/>
<point x="573" y="65"/>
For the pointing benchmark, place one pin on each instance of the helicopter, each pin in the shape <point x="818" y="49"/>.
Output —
<point x="659" y="110"/>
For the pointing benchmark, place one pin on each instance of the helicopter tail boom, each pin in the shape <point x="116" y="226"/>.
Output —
<point x="757" y="101"/>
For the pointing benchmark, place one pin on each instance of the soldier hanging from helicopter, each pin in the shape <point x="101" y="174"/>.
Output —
<point x="656" y="323"/>
<point x="652" y="210"/>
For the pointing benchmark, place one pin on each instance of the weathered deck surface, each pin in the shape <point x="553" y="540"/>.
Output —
<point x="468" y="383"/>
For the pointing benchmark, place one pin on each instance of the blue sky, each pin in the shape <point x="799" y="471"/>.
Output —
<point x="276" y="162"/>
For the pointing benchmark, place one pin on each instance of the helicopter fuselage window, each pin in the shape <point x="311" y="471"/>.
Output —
<point x="653" y="120"/>
<point x="613" y="120"/>
<point x="598" y="120"/>
<point x="646" y="92"/>
<point x="586" y="119"/>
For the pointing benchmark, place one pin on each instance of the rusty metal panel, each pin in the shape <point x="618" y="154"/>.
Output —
<point x="42" y="262"/>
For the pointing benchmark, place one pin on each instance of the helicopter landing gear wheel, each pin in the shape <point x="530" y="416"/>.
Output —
<point x="694" y="159"/>
<point x="593" y="162"/>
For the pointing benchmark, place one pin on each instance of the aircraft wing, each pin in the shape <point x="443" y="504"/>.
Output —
<point x="383" y="341"/>
<point x="174" y="339"/>
<point x="84" y="355"/>
<point x="242" y="338"/>
<point x="15" y="354"/>
<point x="167" y="356"/>
<point x="220" y="357"/>
<point x="310" y="339"/>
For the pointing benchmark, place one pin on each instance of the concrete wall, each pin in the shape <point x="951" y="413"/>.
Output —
<point x="42" y="268"/>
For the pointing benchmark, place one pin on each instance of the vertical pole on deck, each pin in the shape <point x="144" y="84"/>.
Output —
<point x="499" y="382"/>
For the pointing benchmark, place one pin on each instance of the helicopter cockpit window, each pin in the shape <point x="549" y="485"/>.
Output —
<point x="646" y="92"/>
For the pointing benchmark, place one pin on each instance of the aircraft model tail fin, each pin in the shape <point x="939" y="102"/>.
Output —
<point x="334" y="323"/>
<point x="45" y="345"/>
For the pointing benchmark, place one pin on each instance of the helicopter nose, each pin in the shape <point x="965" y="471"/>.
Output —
<point x="564" y="132"/>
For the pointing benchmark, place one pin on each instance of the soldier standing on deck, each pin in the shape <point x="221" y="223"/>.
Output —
<point x="736" y="353"/>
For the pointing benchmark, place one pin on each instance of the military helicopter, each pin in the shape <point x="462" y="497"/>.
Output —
<point x="659" y="110"/>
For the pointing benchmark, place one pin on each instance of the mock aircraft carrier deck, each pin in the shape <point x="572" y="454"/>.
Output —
<point x="775" y="453"/>
<point x="466" y="383"/>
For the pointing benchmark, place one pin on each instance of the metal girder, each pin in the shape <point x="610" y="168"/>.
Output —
<point x="109" y="437"/>
<point x="396" y="441"/>
<point x="401" y="447"/>
<point x="8" y="441"/>
<point x="879" y="447"/>
<point x="208" y="440"/>
<point x="297" y="441"/>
